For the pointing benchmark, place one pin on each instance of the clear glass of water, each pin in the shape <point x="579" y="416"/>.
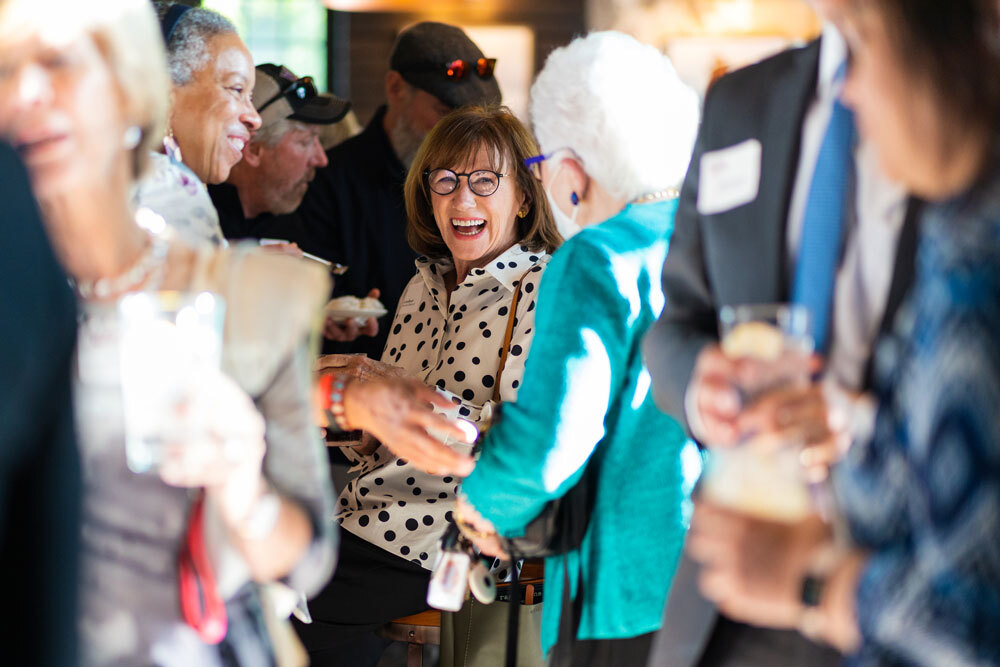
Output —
<point x="762" y="475"/>
<point x="168" y="341"/>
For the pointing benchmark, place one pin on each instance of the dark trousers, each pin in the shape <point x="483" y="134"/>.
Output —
<point x="572" y="652"/>
<point x="370" y="588"/>
<point x="733" y="644"/>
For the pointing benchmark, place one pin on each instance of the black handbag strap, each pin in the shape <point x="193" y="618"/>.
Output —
<point x="513" y="615"/>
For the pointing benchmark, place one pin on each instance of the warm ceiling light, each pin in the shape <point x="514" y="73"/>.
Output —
<point x="400" y="5"/>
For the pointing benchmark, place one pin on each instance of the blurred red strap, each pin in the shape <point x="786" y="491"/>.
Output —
<point x="201" y="605"/>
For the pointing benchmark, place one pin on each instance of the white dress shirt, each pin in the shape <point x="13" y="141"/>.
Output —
<point x="866" y="268"/>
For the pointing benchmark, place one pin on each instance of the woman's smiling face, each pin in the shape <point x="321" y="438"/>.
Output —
<point x="478" y="229"/>
<point x="213" y="114"/>
<point x="61" y="109"/>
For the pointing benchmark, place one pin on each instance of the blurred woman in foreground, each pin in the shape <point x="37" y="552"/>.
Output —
<point x="616" y="126"/>
<point x="920" y="585"/>
<point x="83" y="97"/>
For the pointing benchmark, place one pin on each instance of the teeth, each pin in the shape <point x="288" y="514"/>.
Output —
<point x="467" y="223"/>
<point x="238" y="144"/>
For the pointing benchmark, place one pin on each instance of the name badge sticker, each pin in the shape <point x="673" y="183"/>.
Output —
<point x="411" y="297"/>
<point x="729" y="177"/>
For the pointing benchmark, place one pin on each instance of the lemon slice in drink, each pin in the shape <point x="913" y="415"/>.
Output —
<point x="754" y="340"/>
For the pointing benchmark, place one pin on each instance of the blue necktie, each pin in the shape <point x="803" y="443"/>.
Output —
<point x="823" y="222"/>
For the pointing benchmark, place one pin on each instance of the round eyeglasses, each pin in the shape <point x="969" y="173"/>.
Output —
<point x="482" y="182"/>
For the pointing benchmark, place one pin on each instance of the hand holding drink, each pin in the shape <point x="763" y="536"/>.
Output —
<point x="768" y="355"/>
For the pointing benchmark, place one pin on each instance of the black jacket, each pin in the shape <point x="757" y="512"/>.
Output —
<point x="39" y="465"/>
<point x="353" y="213"/>
<point x="738" y="256"/>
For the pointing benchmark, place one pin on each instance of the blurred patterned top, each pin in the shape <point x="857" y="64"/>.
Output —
<point x="172" y="191"/>
<point x="931" y="592"/>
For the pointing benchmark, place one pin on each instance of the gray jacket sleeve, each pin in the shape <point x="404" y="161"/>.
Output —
<point x="688" y="320"/>
<point x="296" y="465"/>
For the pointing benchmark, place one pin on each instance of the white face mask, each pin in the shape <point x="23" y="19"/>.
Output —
<point x="566" y="224"/>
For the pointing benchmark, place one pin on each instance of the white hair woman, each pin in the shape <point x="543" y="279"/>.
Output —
<point x="616" y="127"/>
<point x="210" y="121"/>
<point x="83" y="96"/>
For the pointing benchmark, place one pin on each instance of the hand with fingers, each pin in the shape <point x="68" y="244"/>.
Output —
<point x="348" y="330"/>
<point x="221" y="447"/>
<point x="398" y="411"/>
<point x="752" y="569"/>
<point x="799" y="411"/>
<point x="478" y="529"/>
<point x="713" y="400"/>
<point x="358" y="367"/>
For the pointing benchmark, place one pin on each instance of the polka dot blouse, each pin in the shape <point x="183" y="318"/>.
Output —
<point x="453" y="344"/>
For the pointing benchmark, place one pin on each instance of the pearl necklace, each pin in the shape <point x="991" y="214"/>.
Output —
<point x="669" y="193"/>
<point x="147" y="269"/>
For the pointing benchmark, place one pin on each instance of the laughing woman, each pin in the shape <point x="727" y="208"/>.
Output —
<point x="481" y="223"/>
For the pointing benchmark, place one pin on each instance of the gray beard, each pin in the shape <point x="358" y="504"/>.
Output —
<point x="405" y="141"/>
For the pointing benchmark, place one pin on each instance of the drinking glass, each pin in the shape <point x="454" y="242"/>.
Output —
<point x="169" y="340"/>
<point x="762" y="474"/>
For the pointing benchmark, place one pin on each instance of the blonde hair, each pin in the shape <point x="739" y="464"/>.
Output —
<point x="127" y="34"/>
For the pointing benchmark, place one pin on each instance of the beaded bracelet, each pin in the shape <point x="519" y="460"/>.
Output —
<point x="332" y="399"/>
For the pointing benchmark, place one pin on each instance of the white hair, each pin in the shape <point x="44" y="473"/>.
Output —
<point x="620" y="106"/>
<point x="127" y="35"/>
<point x="187" y="51"/>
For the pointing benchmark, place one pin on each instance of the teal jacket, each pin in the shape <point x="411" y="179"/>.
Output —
<point x="586" y="398"/>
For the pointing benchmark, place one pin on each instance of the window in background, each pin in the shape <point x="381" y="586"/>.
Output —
<point x="284" y="32"/>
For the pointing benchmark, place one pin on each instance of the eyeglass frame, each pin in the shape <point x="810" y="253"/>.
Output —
<point x="298" y="84"/>
<point x="534" y="163"/>
<point x="468" y="180"/>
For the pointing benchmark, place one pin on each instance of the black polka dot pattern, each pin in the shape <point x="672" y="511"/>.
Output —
<point x="452" y="341"/>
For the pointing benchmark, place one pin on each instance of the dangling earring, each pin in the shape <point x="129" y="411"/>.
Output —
<point x="170" y="146"/>
<point x="574" y="199"/>
<point x="132" y="137"/>
<point x="523" y="213"/>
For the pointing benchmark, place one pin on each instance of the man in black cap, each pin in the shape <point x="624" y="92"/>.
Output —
<point x="353" y="212"/>
<point x="281" y="158"/>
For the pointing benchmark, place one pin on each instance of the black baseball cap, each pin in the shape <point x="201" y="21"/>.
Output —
<point x="279" y="94"/>
<point x="423" y="55"/>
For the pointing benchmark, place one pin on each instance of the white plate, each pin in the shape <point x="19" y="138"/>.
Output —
<point x="360" y="315"/>
<point x="340" y="311"/>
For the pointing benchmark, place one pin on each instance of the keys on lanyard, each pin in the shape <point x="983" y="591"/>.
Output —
<point x="458" y="569"/>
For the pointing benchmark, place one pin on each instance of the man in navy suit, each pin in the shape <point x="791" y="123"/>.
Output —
<point x="739" y="235"/>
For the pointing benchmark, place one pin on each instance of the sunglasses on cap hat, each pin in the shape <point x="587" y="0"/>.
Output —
<point x="456" y="70"/>
<point x="297" y="89"/>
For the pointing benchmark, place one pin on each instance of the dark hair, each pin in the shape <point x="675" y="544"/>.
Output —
<point x="453" y="141"/>
<point x="953" y="46"/>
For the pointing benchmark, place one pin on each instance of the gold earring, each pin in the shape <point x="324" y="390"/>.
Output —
<point x="523" y="213"/>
